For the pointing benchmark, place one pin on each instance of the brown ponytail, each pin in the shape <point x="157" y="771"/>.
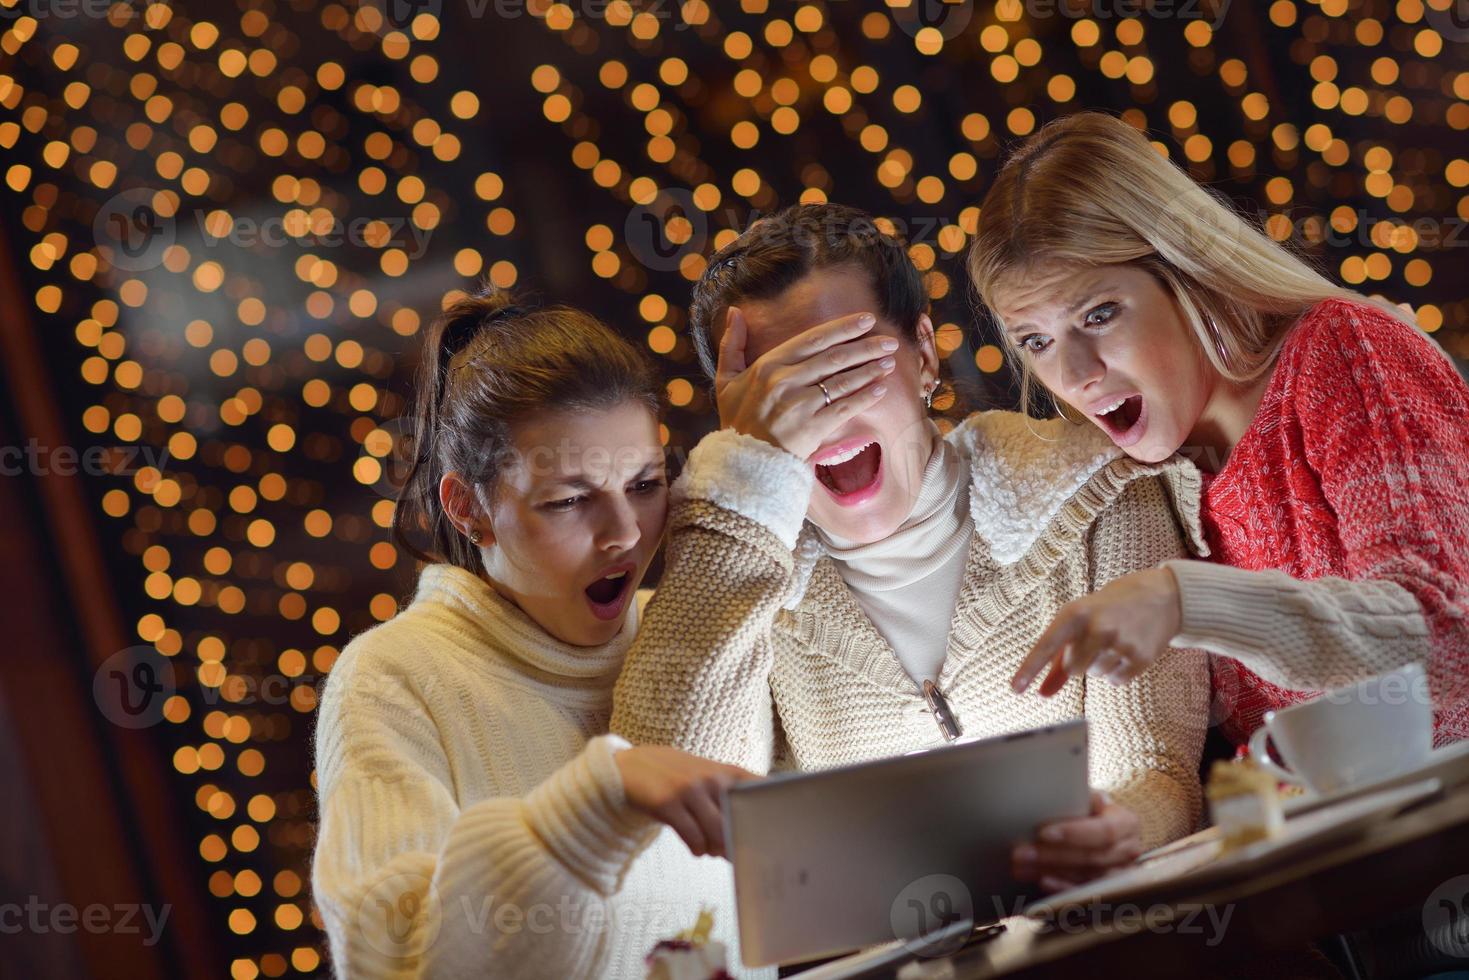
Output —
<point x="489" y="363"/>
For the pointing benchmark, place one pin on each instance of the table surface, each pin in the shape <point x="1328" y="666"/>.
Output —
<point x="1308" y="895"/>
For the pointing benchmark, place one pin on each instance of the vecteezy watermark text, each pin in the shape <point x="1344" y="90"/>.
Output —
<point x="951" y="17"/>
<point x="70" y="9"/>
<point x="399" y="15"/>
<point x="36" y="916"/>
<point x="404" y="914"/>
<point x="1185" y="919"/>
<point x="134" y="235"/>
<point x="35" y="459"/>
<point x="394" y="231"/>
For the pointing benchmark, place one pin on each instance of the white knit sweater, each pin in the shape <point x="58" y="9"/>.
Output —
<point x="473" y="822"/>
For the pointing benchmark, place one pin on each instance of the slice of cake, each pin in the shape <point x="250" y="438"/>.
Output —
<point x="692" y="955"/>
<point x="1244" y="803"/>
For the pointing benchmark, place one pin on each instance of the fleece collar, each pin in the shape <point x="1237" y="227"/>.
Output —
<point x="1022" y="472"/>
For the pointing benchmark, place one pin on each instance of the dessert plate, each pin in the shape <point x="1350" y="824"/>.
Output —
<point x="1194" y="866"/>
<point x="1449" y="765"/>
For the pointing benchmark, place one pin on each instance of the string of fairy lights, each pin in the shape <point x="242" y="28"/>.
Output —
<point x="1013" y="51"/>
<point x="251" y="369"/>
<point x="316" y="179"/>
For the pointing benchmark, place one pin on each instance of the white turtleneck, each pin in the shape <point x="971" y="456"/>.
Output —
<point x="473" y="821"/>
<point x="908" y="583"/>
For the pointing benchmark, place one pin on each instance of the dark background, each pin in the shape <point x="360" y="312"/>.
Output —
<point x="168" y="623"/>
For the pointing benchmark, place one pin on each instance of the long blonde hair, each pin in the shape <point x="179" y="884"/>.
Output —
<point x="1089" y="190"/>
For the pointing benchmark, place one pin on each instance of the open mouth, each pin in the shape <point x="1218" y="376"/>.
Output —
<point x="1122" y="418"/>
<point x="852" y="471"/>
<point x="606" y="594"/>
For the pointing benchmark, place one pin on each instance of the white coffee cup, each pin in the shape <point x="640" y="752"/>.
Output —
<point x="1353" y="735"/>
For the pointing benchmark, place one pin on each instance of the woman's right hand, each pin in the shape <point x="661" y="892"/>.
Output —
<point x="680" y="790"/>
<point x="777" y="398"/>
<point x="1066" y="853"/>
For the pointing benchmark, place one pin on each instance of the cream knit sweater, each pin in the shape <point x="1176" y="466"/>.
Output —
<point x="473" y="822"/>
<point x="755" y="652"/>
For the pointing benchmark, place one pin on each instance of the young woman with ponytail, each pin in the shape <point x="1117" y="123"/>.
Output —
<point x="1332" y="434"/>
<point x="476" y="817"/>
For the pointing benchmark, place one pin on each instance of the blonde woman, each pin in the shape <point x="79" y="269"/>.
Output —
<point x="477" y="820"/>
<point x="1334" y="436"/>
<point x="846" y="581"/>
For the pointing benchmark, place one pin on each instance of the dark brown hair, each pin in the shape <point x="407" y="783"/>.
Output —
<point x="776" y="252"/>
<point x="488" y="364"/>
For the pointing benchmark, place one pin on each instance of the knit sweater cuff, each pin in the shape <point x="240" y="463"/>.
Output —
<point x="582" y="814"/>
<point x="752" y="478"/>
<point x="1164" y="813"/>
<point x="1223" y="608"/>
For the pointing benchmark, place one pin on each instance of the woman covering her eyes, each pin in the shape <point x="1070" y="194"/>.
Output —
<point x="1333" y="435"/>
<point x="835" y="554"/>
<point x="476" y="817"/>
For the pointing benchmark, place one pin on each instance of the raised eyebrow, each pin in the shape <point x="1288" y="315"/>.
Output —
<point x="572" y="484"/>
<point x="1019" y="330"/>
<point x="1086" y="300"/>
<point x="652" y="467"/>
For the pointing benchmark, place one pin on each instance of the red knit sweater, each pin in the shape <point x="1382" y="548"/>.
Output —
<point x="1356" y="465"/>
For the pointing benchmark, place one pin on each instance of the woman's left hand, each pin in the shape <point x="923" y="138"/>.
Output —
<point x="1116" y="632"/>
<point x="1066" y="853"/>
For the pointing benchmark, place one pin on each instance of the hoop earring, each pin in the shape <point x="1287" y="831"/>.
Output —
<point x="1218" y="338"/>
<point x="1061" y="411"/>
<point x="1212" y="327"/>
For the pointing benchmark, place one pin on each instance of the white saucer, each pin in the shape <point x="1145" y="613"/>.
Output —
<point x="1197" y="865"/>
<point x="1449" y="765"/>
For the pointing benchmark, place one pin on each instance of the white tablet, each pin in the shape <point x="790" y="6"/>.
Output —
<point x="827" y="862"/>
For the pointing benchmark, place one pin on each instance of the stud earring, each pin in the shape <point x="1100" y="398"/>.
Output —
<point x="476" y="536"/>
